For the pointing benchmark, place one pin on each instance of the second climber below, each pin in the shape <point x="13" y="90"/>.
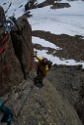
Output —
<point x="42" y="69"/>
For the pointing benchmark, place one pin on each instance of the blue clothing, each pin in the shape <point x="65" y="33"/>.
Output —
<point x="7" y="113"/>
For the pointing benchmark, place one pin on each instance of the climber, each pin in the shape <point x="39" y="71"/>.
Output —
<point x="42" y="68"/>
<point x="7" y="113"/>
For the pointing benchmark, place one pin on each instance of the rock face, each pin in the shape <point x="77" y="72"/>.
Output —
<point x="10" y="68"/>
<point x="60" y="5"/>
<point x="13" y="69"/>
<point x="79" y="105"/>
<point x="40" y="106"/>
<point x="69" y="81"/>
<point x="22" y="44"/>
<point x="2" y="15"/>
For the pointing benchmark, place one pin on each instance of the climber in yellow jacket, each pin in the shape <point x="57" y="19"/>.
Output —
<point x="42" y="67"/>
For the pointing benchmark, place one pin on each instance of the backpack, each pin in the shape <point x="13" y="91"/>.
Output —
<point x="49" y="64"/>
<point x="7" y="113"/>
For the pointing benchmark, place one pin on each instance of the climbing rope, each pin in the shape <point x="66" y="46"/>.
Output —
<point x="3" y="43"/>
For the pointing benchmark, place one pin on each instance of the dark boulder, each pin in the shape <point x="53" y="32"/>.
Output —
<point x="79" y="105"/>
<point x="22" y="44"/>
<point x="31" y="5"/>
<point x="2" y="15"/>
<point x="60" y="5"/>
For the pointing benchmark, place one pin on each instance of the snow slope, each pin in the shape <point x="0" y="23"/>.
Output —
<point x="58" y="21"/>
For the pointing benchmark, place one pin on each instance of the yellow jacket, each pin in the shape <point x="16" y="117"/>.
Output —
<point x="43" y="68"/>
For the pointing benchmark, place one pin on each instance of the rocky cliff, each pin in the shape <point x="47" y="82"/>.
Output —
<point x="40" y="106"/>
<point x="16" y="59"/>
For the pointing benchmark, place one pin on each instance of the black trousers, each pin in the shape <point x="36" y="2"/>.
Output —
<point x="39" y="72"/>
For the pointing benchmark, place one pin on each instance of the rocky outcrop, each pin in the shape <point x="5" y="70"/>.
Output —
<point x="32" y="4"/>
<point x="46" y="3"/>
<point x="54" y="4"/>
<point x="67" y="80"/>
<point x="60" y="5"/>
<point x="79" y="104"/>
<point x="10" y="68"/>
<point x="21" y="38"/>
<point x="2" y="15"/>
<point x="40" y="106"/>
<point x="80" y="109"/>
<point x="16" y="59"/>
